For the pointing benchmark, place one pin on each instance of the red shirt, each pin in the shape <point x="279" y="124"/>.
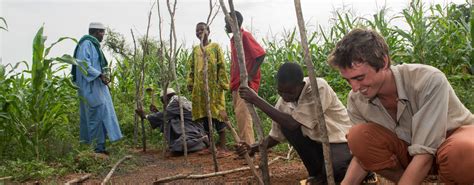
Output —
<point x="252" y="50"/>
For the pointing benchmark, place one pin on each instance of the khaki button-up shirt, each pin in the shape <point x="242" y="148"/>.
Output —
<point x="335" y="114"/>
<point x="427" y="108"/>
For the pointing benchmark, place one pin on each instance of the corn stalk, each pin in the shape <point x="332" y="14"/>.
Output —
<point x="244" y="83"/>
<point x="318" y="109"/>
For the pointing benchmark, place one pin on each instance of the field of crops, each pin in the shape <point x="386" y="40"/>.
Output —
<point x="39" y="108"/>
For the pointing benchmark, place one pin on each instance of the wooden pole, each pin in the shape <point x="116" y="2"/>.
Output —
<point x="237" y="140"/>
<point x="165" y="78"/>
<point x="175" y="78"/>
<point x="244" y="83"/>
<point x="208" y="101"/>
<point x="317" y="109"/>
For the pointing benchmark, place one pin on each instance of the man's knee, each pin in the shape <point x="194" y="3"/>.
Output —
<point x="455" y="158"/>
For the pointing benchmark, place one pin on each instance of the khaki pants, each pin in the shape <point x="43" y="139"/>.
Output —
<point x="378" y="148"/>
<point x="243" y="118"/>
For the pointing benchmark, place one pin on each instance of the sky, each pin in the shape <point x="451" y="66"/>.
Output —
<point x="71" y="18"/>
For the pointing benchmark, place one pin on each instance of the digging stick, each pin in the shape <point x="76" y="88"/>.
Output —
<point x="317" y="109"/>
<point x="237" y="140"/>
<point x="244" y="83"/>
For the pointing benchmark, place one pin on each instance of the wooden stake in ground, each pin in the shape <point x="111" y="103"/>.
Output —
<point x="111" y="172"/>
<point x="172" y="57"/>
<point x="135" y="125"/>
<point x="317" y="109"/>
<point x="79" y="179"/>
<point x="163" y="79"/>
<point x="206" y="88"/>
<point x="244" y="83"/>
<point x="237" y="140"/>
<point x="208" y="101"/>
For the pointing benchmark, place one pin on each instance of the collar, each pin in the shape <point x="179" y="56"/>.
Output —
<point x="402" y="95"/>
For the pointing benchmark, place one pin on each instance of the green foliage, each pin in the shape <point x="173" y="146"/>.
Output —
<point x="39" y="115"/>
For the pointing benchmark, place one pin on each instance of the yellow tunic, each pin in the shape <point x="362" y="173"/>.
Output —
<point x="217" y="78"/>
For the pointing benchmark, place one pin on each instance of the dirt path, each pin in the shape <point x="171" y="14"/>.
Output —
<point x="152" y="166"/>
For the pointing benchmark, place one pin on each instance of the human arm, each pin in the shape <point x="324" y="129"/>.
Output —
<point x="284" y="119"/>
<point x="355" y="173"/>
<point x="243" y="147"/>
<point x="223" y="79"/>
<point x="256" y="66"/>
<point x="190" y="77"/>
<point x="85" y="54"/>
<point x="417" y="169"/>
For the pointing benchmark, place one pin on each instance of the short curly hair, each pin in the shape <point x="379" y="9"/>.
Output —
<point x="360" y="45"/>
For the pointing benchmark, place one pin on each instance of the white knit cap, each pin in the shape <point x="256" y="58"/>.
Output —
<point x="96" y="25"/>
<point x="168" y="91"/>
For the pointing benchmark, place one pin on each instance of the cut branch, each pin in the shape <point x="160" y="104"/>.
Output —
<point x="111" y="172"/>
<point x="237" y="140"/>
<point x="77" y="180"/>
<point x="317" y="108"/>
<point x="244" y="83"/>
<point x="190" y="176"/>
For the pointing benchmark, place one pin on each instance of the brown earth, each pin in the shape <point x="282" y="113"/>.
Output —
<point x="152" y="166"/>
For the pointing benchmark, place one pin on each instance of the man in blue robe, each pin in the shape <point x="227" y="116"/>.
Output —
<point x="97" y="117"/>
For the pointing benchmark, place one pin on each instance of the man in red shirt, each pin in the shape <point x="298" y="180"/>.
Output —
<point x="254" y="56"/>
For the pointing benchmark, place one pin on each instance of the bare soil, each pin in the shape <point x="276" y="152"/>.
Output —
<point x="151" y="166"/>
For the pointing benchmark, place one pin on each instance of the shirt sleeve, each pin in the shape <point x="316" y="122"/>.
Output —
<point x="352" y="110"/>
<point x="85" y="54"/>
<point x="303" y="113"/>
<point x="275" y="131"/>
<point x="251" y="46"/>
<point x="221" y="69"/>
<point x="429" y="124"/>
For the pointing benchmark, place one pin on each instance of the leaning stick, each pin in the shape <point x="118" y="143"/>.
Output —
<point x="79" y="179"/>
<point x="113" y="169"/>
<point x="190" y="176"/>
<point x="5" y="178"/>
<point x="237" y="140"/>
<point x="317" y="108"/>
<point x="244" y="83"/>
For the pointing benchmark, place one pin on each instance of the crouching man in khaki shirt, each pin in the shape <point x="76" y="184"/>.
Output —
<point x="293" y="121"/>
<point x="409" y="120"/>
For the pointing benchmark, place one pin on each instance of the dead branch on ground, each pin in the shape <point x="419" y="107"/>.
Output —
<point x="111" y="172"/>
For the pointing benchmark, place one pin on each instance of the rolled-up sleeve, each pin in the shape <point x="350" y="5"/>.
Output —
<point x="429" y="123"/>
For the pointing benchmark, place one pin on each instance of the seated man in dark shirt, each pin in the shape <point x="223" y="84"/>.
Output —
<point x="196" y="138"/>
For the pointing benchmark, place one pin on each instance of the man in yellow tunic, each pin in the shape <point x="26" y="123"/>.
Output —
<point x="218" y="82"/>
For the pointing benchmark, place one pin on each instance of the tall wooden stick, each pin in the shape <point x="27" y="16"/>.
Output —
<point x="208" y="101"/>
<point x="317" y="109"/>
<point x="142" y="79"/>
<point x="237" y="140"/>
<point x="135" y="125"/>
<point x="244" y="83"/>
<point x="173" y="69"/>
<point x="163" y="80"/>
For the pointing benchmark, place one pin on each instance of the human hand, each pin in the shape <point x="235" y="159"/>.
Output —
<point x="242" y="148"/>
<point x="248" y="94"/>
<point x="104" y="79"/>
<point x="140" y="113"/>
<point x="153" y="108"/>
